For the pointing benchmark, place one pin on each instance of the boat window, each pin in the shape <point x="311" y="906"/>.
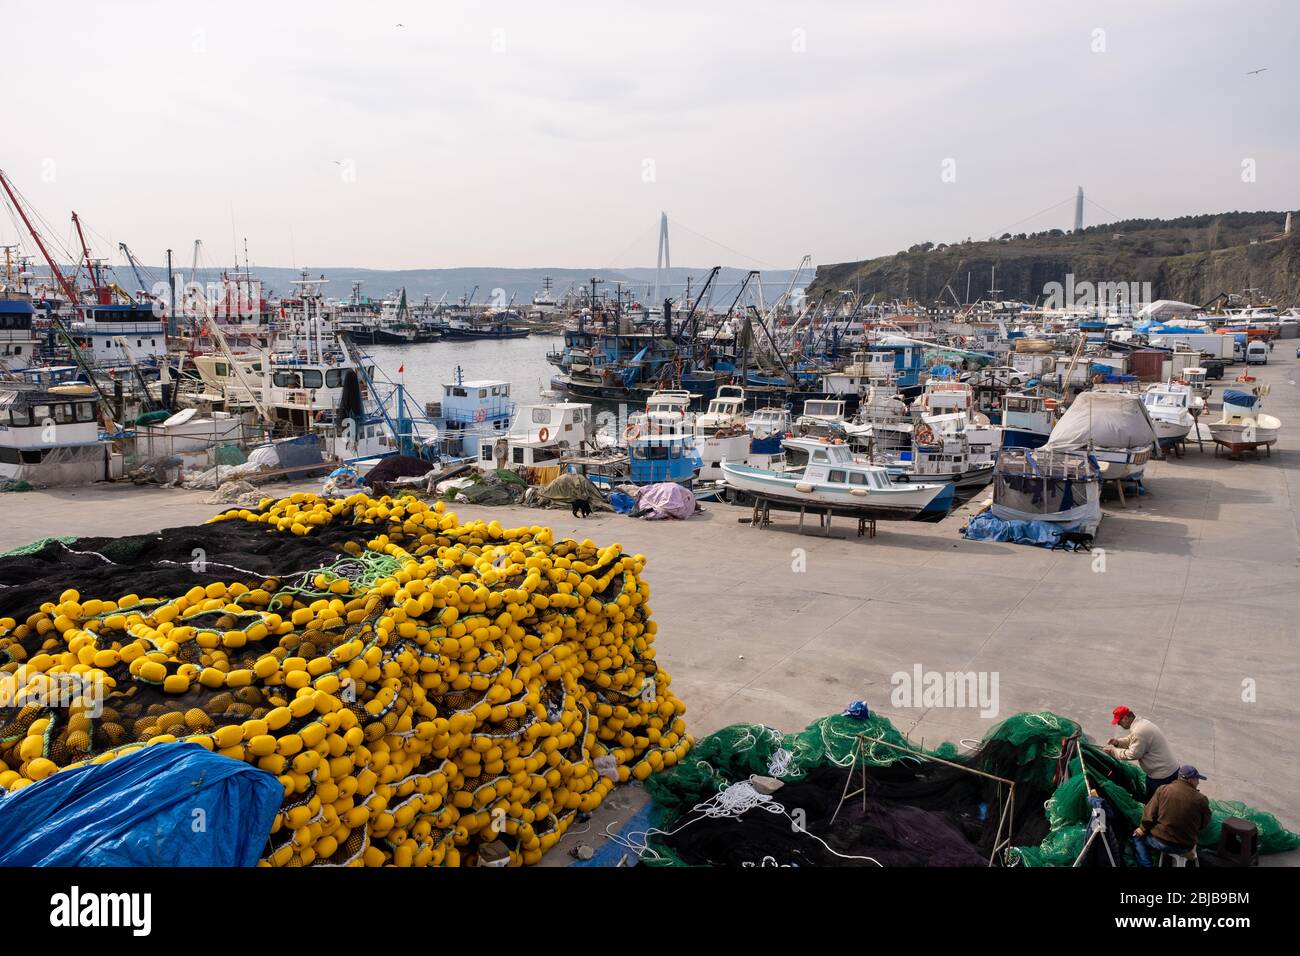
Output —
<point x="312" y="378"/>
<point x="541" y="416"/>
<point x="334" y="378"/>
<point x="222" y="369"/>
<point x="287" y="380"/>
<point x="857" y="478"/>
<point x="85" y="412"/>
<point x="487" y="453"/>
<point x="518" y="456"/>
<point x="64" y="414"/>
<point x="819" y="455"/>
<point x="482" y="393"/>
<point x="837" y="477"/>
<point x="675" y="451"/>
<point x="656" y="452"/>
<point x="20" y="416"/>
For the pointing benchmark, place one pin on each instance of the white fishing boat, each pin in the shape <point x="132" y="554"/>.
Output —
<point x="950" y="407"/>
<point x="883" y="424"/>
<point x="768" y="428"/>
<point x="721" y="433"/>
<point x="1242" y="423"/>
<point x="48" y="439"/>
<point x="1173" y="408"/>
<point x="821" y="417"/>
<point x="941" y="452"/>
<point x="837" y="482"/>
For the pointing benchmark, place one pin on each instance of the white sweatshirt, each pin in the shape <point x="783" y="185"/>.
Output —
<point x="1148" y="746"/>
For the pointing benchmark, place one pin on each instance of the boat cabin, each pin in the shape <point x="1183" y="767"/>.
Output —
<point x="540" y="437"/>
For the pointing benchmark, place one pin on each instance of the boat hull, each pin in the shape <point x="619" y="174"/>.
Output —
<point x="901" y="502"/>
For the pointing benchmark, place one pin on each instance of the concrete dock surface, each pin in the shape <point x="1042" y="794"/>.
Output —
<point x="1186" y="611"/>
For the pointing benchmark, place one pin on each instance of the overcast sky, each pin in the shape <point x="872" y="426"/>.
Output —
<point x="552" y="134"/>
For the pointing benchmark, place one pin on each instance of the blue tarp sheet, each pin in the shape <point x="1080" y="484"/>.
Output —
<point x="170" y="804"/>
<point x="989" y="527"/>
<point x="1233" y="396"/>
<point x="623" y="504"/>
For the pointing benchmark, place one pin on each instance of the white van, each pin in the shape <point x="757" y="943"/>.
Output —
<point x="1257" y="353"/>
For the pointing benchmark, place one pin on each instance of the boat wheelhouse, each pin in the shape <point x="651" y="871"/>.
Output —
<point x="472" y="415"/>
<point x="1027" y="419"/>
<point x="18" y="341"/>
<point x="121" y="333"/>
<point x="48" y="438"/>
<point x="821" y="417"/>
<point x="540" y="437"/>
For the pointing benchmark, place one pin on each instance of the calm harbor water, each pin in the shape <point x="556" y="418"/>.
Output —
<point x="521" y="362"/>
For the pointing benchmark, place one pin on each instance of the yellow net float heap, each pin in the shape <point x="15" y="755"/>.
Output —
<point x="441" y="686"/>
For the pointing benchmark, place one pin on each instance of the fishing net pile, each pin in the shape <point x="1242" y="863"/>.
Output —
<point x="420" y="687"/>
<point x="714" y="808"/>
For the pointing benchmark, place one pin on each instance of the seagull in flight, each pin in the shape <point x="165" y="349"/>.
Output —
<point x="1253" y="72"/>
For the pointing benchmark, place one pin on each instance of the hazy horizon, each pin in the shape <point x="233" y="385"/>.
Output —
<point x="519" y="135"/>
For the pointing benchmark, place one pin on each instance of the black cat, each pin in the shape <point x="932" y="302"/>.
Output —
<point x="1073" y="541"/>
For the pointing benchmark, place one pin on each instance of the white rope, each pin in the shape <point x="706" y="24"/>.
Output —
<point x="779" y="765"/>
<point x="732" y="801"/>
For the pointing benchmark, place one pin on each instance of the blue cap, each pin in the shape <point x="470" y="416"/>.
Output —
<point x="1188" y="772"/>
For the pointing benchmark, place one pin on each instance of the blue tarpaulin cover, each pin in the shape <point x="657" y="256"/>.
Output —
<point x="173" y="804"/>
<point x="989" y="527"/>
<point x="1232" y="396"/>
<point x="622" y="504"/>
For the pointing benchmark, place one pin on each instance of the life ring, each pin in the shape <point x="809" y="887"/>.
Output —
<point x="924" y="434"/>
<point x="480" y="414"/>
<point x="632" y="432"/>
<point x="544" y="434"/>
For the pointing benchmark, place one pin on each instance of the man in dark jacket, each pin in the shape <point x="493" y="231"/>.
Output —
<point x="1173" y="818"/>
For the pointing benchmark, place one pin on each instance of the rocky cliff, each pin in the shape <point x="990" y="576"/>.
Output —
<point x="1192" y="259"/>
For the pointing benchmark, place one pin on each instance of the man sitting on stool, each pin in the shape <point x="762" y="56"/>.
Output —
<point x="1173" y="817"/>
<point x="1145" y="744"/>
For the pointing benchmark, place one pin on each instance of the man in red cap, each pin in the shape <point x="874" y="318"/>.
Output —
<point x="1145" y="744"/>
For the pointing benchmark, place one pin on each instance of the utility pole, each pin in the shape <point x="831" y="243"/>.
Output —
<point x="171" y="299"/>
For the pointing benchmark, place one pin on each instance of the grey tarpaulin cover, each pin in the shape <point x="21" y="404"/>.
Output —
<point x="1104" y="420"/>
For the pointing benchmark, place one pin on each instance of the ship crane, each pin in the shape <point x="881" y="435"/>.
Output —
<point x="68" y="290"/>
<point x="136" y="268"/>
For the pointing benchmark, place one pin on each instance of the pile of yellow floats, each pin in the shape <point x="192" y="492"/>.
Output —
<point x="442" y="687"/>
